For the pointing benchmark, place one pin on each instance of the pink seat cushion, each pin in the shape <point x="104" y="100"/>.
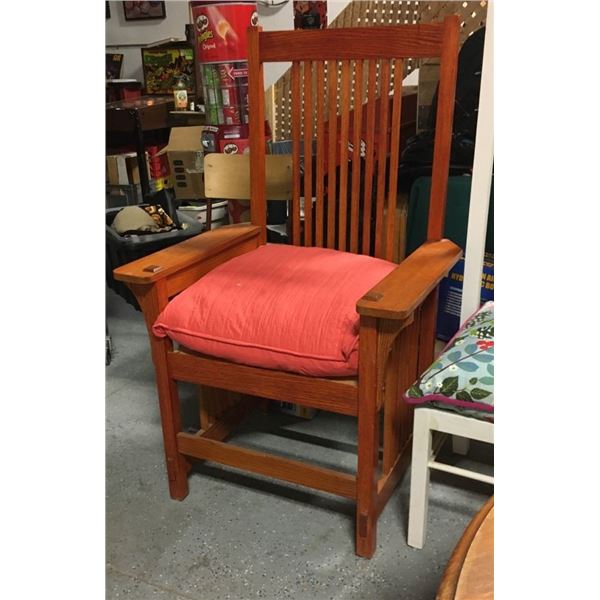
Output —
<point x="279" y="307"/>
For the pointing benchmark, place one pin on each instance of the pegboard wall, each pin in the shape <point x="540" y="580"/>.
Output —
<point x="361" y="13"/>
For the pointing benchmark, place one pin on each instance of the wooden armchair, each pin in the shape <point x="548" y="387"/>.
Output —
<point x="396" y="317"/>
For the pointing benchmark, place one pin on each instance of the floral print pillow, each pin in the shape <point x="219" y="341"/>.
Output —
<point x="462" y="377"/>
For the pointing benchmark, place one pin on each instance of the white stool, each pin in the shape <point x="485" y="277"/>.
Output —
<point x="426" y="421"/>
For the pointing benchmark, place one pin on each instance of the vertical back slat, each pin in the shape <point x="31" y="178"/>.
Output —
<point x="370" y="143"/>
<point x="382" y="147"/>
<point x="344" y="138"/>
<point x="332" y="154"/>
<point x="357" y="125"/>
<point x="285" y="112"/>
<point x="308" y="127"/>
<point x="320" y="188"/>
<point x="256" y="100"/>
<point x="443" y="130"/>
<point x="296" y="128"/>
<point x="394" y="156"/>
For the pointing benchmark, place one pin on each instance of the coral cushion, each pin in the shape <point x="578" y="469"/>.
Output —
<point x="278" y="307"/>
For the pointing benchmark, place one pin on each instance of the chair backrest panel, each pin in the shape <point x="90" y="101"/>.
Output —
<point x="228" y="176"/>
<point x="344" y="190"/>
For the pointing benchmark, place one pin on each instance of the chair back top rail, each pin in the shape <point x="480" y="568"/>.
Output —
<point x="402" y="41"/>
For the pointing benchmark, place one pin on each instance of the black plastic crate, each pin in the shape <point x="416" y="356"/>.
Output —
<point x="121" y="250"/>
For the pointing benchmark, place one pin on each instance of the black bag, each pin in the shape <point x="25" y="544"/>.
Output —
<point x="468" y="83"/>
<point x="417" y="156"/>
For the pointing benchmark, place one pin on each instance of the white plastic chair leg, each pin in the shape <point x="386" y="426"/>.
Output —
<point x="419" y="479"/>
<point x="460" y="445"/>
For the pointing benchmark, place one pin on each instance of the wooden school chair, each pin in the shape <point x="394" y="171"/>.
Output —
<point x="227" y="176"/>
<point x="455" y="396"/>
<point x="279" y="308"/>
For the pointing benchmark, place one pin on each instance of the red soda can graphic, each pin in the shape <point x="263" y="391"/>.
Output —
<point x="230" y="96"/>
<point x="226" y="74"/>
<point x="231" y="114"/>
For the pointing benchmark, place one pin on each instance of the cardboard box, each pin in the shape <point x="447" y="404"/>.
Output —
<point x="116" y="169"/>
<point x="186" y="162"/>
<point x="123" y="169"/>
<point x="296" y="410"/>
<point x="450" y="297"/>
<point x="230" y="139"/>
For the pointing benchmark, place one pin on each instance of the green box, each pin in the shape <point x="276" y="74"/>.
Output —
<point x="457" y="213"/>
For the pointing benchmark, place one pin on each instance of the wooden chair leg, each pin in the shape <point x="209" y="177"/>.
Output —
<point x="366" y="481"/>
<point x="208" y="406"/>
<point x="368" y="441"/>
<point x="419" y="479"/>
<point x="152" y="299"/>
<point x="214" y="403"/>
<point x="177" y="465"/>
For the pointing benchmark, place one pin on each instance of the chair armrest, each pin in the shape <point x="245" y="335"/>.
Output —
<point x="406" y="287"/>
<point x="178" y="257"/>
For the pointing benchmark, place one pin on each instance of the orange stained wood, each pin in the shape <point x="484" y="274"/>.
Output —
<point x="345" y="92"/>
<point x="370" y="157"/>
<point x="399" y="377"/>
<point x="408" y="285"/>
<point x="476" y="580"/>
<point x="336" y="219"/>
<point x="368" y="435"/>
<point x="183" y="278"/>
<point x="394" y="157"/>
<point x="428" y="329"/>
<point x="256" y="100"/>
<point x="356" y="143"/>
<point x="320" y="183"/>
<point x="396" y="315"/>
<point x="334" y="394"/>
<point x="308" y="137"/>
<point x="152" y="300"/>
<point x="416" y="41"/>
<point x="469" y="574"/>
<point x="443" y="130"/>
<point x="175" y="258"/>
<point x="332" y="152"/>
<point x="328" y="480"/>
<point x="408" y="372"/>
<point x="382" y="154"/>
<point x="296" y="130"/>
<point x="388" y="482"/>
<point x="229" y="414"/>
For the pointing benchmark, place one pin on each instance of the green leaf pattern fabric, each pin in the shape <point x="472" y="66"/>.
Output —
<point x="462" y="377"/>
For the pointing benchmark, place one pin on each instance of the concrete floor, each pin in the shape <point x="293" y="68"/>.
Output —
<point x="238" y="536"/>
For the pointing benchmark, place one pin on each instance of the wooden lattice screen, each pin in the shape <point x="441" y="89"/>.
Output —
<point x="360" y="13"/>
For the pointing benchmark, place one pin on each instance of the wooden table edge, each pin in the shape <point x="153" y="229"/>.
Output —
<point x="450" y="579"/>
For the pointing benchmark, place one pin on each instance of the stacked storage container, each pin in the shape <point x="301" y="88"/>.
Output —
<point x="221" y="55"/>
